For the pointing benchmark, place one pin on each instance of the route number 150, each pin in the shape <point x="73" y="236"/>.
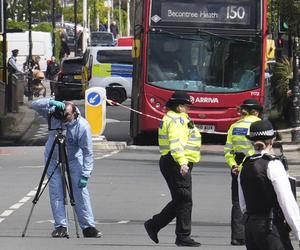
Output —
<point x="234" y="12"/>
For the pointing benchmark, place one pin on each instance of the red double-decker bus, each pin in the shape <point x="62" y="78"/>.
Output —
<point x="212" y="49"/>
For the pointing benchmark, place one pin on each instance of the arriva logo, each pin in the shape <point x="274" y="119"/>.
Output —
<point x="204" y="99"/>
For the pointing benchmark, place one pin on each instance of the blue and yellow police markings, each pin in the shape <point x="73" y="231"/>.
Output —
<point x="111" y="70"/>
<point x="95" y="109"/>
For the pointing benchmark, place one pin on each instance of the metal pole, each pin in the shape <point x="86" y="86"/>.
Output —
<point x="30" y="94"/>
<point x="53" y="26"/>
<point x="4" y="53"/>
<point x="120" y="19"/>
<point x="75" y="27"/>
<point x="84" y="21"/>
<point x="128" y="17"/>
<point x="295" y="121"/>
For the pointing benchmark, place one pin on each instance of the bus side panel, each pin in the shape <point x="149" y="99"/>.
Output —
<point x="137" y="82"/>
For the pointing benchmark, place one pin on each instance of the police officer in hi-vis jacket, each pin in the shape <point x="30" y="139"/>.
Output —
<point x="237" y="148"/>
<point x="179" y="143"/>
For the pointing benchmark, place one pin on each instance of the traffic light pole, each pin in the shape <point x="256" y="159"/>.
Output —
<point x="295" y="121"/>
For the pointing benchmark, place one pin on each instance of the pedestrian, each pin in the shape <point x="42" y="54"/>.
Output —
<point x="12" y="62"/>
<point x="179" y="142"/>
<point x="80" y="156"/>
<point x="266" y="196"/>
<point x="64" y="50"/>
<point x="35" y="65"/>
<point x="114" y="29"/>
<point x="236" y="149"/>
<point x="51" y="73"/>
<point x="102" y="27"/>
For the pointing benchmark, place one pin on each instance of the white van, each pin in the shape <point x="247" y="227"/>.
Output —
<point x="41" y="46"/>
<point x="110" y="68"/>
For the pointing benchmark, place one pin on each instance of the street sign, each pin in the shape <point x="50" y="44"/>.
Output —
<point x="95" y="109"/>
<point x="1" y="16"/>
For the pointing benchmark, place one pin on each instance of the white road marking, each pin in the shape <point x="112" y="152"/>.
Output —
<point x="123" y="222"/>
<point x="31" y="166"/>
<point x="25" y="199"/>
<point x="16" y="206"/>
<point x="45" y="221"/>
<point x="6" y="213"/>
<point x="106" y="155"/>
<point x="32" y="193"/>
<point x="19" y="204"/>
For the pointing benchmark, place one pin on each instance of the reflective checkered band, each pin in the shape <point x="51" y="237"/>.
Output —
<point x="262" y="133"/>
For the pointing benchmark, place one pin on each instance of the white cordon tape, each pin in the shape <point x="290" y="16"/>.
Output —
<point x="113" y="103"/>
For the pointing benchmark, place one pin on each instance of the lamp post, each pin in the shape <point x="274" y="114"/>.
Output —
<point x="4" y="53"/>
<point x="53" y="26"/>
<point x="30" y="94"/>
<point x="295" y="121"/>
<point x="75" y="27"/>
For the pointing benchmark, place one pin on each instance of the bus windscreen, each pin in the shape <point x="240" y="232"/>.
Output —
<point x="204" y="62"/>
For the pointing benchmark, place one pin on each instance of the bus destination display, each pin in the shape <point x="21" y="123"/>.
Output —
<point x="241" y="13"/>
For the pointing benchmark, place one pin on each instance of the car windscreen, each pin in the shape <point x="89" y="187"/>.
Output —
<point x="101" y="38"/>
<point x="114" y="56"/>
<point x="72" y="66"/>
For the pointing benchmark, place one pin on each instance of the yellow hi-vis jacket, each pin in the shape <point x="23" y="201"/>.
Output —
<point x="175" y="137"/>
<point x="237" y="141"/>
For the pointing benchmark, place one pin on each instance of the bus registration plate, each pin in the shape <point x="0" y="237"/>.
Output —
<point x="206" y="128"/>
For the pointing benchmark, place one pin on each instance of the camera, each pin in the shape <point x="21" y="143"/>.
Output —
<point x="59" y="114"/>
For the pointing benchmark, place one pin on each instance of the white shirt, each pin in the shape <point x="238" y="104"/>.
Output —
<point x="279" y="178"/>
<point x="13" y="63"/>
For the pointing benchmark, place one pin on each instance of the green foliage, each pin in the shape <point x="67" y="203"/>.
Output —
<point x="46" y="27"/>
<point x="282" y="74"/>
<point x="290" y="9"/>
<point x="57" y="44"/>
<point x="17" y="25"/>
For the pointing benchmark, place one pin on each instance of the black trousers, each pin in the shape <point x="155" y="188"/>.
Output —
<point x="180" y="207"/>
<point x="259" y="237"/>
<point x="237" y="226"/>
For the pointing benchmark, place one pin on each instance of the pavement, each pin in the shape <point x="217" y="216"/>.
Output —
<point x="14" y="125"/>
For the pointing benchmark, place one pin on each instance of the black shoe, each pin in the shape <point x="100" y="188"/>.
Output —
<point x="237" y="242"/>
<point x="91" y="232"/>
<point x="152" y="233"/>
<point x="60" y="232"/>
<point x="188" y="242"/>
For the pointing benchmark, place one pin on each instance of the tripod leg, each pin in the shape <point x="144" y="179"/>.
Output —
<point x="70" y="190"/>
<point x="38" y="192"/>
<point x="28" y="219"/>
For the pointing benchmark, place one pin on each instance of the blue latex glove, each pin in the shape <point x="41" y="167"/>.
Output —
<point x="58" y="104"/>
<point x="83" y="182"/>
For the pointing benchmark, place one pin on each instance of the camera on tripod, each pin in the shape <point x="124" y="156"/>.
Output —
<point x="59" y="115"/>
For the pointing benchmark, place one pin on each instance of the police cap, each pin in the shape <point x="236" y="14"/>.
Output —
<point x="178" y="97"/>
<point x="261" y="130"/>
<point x="15" y="51"/>
<point x="249" y="104"/>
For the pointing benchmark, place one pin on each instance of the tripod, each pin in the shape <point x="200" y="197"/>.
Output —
<point x="66" y="180"/>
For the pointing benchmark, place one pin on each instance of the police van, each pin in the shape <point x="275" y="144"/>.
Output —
<point x="110" y="68"/>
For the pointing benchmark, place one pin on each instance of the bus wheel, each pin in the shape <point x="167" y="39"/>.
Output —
<point x="116" y="94"/>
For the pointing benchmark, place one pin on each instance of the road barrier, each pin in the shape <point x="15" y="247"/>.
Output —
<point x="95" y="109"/>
